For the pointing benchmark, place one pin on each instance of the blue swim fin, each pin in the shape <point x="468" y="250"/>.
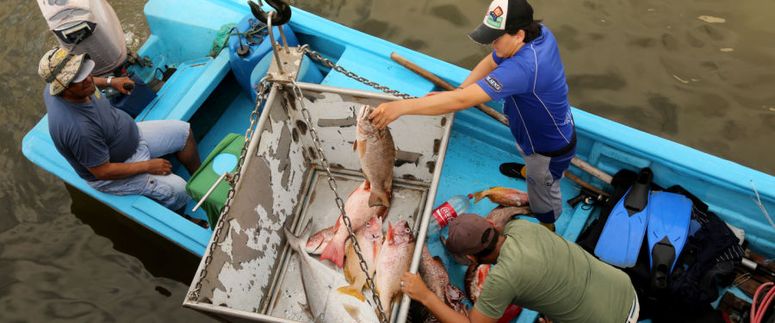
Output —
<point x="668" y="229"/>
<point x="622" y="236"/>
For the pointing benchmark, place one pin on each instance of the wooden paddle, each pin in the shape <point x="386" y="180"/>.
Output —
<point x="500" y="117"/>
<point x="444" y="85"/>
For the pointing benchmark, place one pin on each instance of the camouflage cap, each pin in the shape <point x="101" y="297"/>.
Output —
<point x="58" y="68"/>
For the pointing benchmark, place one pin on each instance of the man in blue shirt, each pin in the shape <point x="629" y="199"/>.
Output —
<point x="104" y="145"/>
<point x="525" y="71"/>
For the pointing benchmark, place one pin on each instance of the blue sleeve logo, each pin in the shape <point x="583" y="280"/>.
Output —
<point x="493" y="83"/>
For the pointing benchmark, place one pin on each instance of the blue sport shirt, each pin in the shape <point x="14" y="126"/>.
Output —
<point x="532" y="84"/>
<point x="89" y="135"/>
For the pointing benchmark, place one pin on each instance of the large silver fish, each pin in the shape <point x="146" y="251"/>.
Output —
<point x="393" y="261"/>
<point x="377" y="153"/>
<point x="321" y="284"/>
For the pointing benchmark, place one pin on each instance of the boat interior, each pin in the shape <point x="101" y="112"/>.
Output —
<point x="205" y="90"/>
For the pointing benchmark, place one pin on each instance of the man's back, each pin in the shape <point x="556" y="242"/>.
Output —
<point x="90" y="134"/>
<point x="544" y="272"/>
<point x="533" y="86"/>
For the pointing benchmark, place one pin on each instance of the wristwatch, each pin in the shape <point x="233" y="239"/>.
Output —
<point x="110" y="78"/>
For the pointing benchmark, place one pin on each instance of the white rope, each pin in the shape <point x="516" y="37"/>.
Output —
<point x="759" y="203"/>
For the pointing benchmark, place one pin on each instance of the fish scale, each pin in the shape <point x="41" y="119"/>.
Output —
<point x="377" y="153"/>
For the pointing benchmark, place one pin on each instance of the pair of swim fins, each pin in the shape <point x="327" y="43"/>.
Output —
<point x="622" y="236"/>
<point x="662" y="217"/>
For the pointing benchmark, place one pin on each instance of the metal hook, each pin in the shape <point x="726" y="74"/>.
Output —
<point x="272" y="41"/>
<point x="282" y="11"/>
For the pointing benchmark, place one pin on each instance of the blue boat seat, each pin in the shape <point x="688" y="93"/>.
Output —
<point x="187" y="89"/>
<point x="376" y="69"/>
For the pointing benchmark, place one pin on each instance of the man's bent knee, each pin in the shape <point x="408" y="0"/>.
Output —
<point x="169" y="190"/>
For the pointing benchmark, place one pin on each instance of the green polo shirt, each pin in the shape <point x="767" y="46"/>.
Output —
<point x="542" y="271"/>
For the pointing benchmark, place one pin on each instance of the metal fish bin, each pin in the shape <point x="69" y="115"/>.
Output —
<point x="248" y="272"/>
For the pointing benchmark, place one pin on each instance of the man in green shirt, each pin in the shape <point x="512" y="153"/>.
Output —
<point x="536" y="269"/>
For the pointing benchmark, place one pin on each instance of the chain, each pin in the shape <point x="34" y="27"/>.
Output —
<point x="318" y="57"/>
<point x="338" y="199"/>
<point x="263" y="86"/>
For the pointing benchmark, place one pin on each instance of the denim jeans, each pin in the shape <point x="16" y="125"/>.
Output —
<point x="157" y="138"/>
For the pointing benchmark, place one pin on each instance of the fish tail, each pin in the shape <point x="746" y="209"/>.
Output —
<point x="386" y="302"/>
<point x="478" y="196"/>
<point x="378" y="198"/>
<point x="389" y="235"/>
<point x="352" y="291"/>
<point x="296" y="243"/>
<point x="334" y="252"/>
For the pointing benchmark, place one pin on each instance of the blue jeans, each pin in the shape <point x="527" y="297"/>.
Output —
<point x="157" y="138"/>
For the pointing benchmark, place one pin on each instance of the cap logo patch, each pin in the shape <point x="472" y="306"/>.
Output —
<point x="495" y="17"/>
<point x="493" y="83"/>
<point x="59" y="55"/>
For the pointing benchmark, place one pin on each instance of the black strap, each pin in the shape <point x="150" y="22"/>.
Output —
<point x="564" y="150"/>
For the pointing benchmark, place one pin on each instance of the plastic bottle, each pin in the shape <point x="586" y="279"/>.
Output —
<point x="446" y="212"/>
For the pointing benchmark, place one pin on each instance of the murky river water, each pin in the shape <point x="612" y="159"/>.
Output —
<point x="697" y="72"/>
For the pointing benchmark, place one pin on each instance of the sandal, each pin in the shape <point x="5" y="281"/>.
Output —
<point x="514" y="170"/>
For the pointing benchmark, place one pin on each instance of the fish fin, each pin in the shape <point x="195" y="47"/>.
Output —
<point x="389" y="235"/>
<point x="382" y="214"/>
<point x="353" y="311"/>
<point x="375" y="248"/>
<point x="348" y="276"/>
<point x="361" y="149"/>
<point x="349" y="290"/>
<point x="482" y="275"/>
<point x="334" y="252"/>
<point x="337" y="224"/>
<point x="379" y="199"/>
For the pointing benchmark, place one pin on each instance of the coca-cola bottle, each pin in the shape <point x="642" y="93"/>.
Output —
<point x="446" y="212"/>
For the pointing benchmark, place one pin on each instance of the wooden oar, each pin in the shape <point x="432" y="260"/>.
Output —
<point x="493" y="114"/>
<point x="444" y="85"/>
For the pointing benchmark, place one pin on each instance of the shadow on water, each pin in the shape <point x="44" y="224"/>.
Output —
<point x="161" y="257"/>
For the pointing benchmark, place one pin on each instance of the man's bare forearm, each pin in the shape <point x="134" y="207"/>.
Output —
<point x="445" y="102"/>
<point x="112" y="171"/>
<point x="443" y="312"/>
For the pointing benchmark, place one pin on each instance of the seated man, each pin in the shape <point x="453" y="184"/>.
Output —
<point x="536" y="269"/>
<point x="103" y="144"/>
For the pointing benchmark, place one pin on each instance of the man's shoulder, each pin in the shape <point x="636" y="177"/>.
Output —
<point x="522" y="235"/>
<point x="517" y="225"/>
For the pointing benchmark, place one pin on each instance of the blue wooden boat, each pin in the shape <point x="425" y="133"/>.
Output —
<point x="182" y="34"/>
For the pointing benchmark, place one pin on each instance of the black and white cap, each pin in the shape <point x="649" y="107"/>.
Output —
<point x="502" y="16"/>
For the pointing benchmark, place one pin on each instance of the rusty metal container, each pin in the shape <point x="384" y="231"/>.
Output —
<point x="249" y="272"/>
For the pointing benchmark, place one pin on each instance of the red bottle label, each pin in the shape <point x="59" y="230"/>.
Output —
<point x="444" y="213"/>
